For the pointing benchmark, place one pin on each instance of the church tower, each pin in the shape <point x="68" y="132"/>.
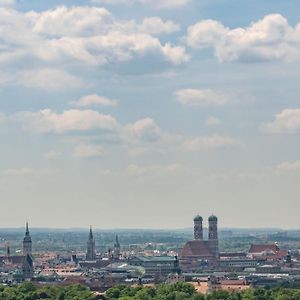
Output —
<point x="198" y="228"/>
<point x="213" y="236"/>
<point x="27" y="243"/>
<point x="27" y="266"/>
<point x="117" y="249"/>
<point x="213" y="228"/>
<point x="91" y="253"/>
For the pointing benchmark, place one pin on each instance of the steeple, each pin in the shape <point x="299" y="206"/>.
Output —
<point x="27" y="243"/>
<point x="91" y="233"/>
<point x="90" y="253"/>
<point x="27" y="266"/>
<point x="117" y="244"/>
<point x="27" y="230"/>
<point x="7" y="250"/>
<point x="117" y="249"/>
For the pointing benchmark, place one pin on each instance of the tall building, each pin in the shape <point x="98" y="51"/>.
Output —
<point x="213" y="235"/>
<point x="117" y="249"/>
<point x="27" y="243"/>
<point x="199" y="253"/>
<point x="27" y="265"/>
<point x="198" y="228"/>
<point x="91" y="253"/>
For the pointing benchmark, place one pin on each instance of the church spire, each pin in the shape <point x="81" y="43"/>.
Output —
<point x="27" y="243"/>
<point x="27" y="229"/>
<point x="91" y="253"/>
<point x="91" y="237"/>
<point x="117" y="249"/>
<point x="117" y="244"/>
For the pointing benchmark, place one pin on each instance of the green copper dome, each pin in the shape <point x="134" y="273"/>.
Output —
<point x="212" y="218"/>
<point x="198" y="218"/>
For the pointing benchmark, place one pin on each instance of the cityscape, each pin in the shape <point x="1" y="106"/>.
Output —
<point x="149" y="150"/>
<point x="203" y="260"/>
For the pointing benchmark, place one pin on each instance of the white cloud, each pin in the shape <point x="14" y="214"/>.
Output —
<point x="138" y="170"/>
<point x="47" y="121"/>
<point x="212" y="121"/>
<point x="202" y="143"/>
<point x="76" y="21"/>
<point x="152" y="3"/>
<point x="156" y="25"/>
<point x="194" y="97"/>
<point x="288" y="166"/>
<point x="87" y="151"/>
<point x="142" y="130"/>
<point x="82" y="35"/>
<point x="49" y="79"/>
<point x="271" y="38"/>
<point x="94" y="99"/>
<point x="287" y="121"/>
<point x="7" y="3"/>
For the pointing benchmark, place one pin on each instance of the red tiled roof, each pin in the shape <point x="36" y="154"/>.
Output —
<point x="196" y="248"/>
<point x="261" y="248"/>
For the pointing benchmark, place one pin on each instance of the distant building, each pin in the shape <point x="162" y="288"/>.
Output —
<point x="27" y="265"/>
<point x="27" y="243"/>
<point x="269" y="252"/>
<point x="262" y="249"/>
<point x="117" y="249"/>
<point x="157" y="266"/>
<point x="91" y="253"/>
<point x="198" y="253"/>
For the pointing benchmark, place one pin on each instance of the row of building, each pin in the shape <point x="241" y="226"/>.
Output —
<point x="198" y="260"/>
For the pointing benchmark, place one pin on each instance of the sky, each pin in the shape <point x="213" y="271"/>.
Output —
<point x="144" y="113"/>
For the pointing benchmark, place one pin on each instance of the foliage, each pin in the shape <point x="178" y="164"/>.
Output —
<point x="184" y="291"/>
<point x="178" y="291"/>
<point x="28" y="291"/>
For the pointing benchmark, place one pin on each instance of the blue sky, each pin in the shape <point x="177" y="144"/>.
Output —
<point x="143" y="113"/>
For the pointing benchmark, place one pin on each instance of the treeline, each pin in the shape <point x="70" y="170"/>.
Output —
<point x="185" y="291"/>
<point x="178" y="291"/>
<point x="28" y="291"/>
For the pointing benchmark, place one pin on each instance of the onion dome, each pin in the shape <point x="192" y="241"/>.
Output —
<point x="198" y="218"/>
<point x="212" y="218"/>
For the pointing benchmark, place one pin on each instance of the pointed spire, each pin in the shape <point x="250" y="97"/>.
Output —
<point x="91" y="233"/>
<point x="117" y="241"/>
<point x="27" y="229"/>
<point x="7" y="250"/>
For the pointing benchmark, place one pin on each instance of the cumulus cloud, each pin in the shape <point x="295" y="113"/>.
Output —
<point x="142" y="130"/>
<point x="288" y="166"/>
<point x="48" y="121"/>
<point x="94" y="99"/>
<point x="88" y="151"/>
<point x="271" y="38"/>
<point x="49" y="79"/>
<point x="202" y="143"/>
<point x="195" y="97"/>
<point x="156" y="25"/>
<point x="152" y="3"/>
<point x="88" y="36"/>
<point x="287" y="121"/>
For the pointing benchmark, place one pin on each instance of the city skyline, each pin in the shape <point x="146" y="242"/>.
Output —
<point x="141" y="114"/>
